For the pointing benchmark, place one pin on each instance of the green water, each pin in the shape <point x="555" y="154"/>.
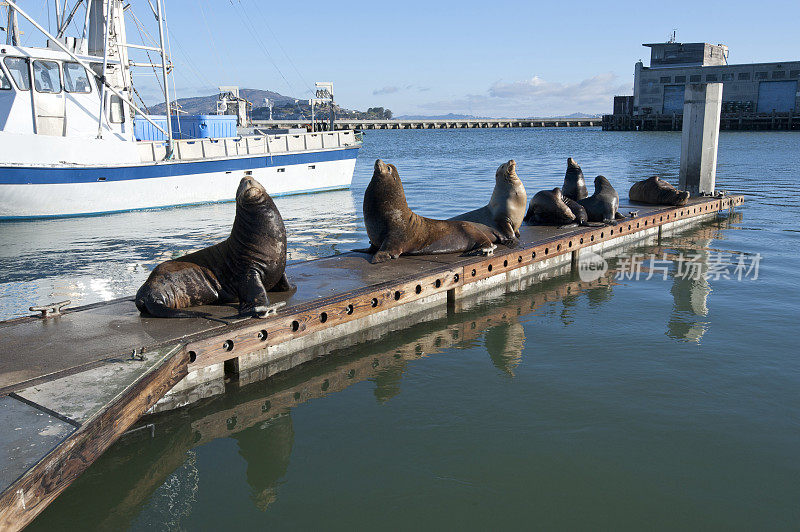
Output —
<point x="619" y="404"/>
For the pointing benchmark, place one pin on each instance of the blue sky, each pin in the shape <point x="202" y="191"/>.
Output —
<point x="476" y="57"/>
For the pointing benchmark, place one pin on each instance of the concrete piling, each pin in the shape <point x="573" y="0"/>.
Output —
<point x="701" y="119"/>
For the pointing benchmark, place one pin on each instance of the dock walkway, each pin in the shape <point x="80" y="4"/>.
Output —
<point x="72" y="384"/>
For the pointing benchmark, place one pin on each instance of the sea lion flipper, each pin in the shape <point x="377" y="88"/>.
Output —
<point x="369" y="251"/>
<point x="253" y="298"/>
<point x="283" y="285"/>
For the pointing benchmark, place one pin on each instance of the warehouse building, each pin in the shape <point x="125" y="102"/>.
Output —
<point x="747" y="88"/>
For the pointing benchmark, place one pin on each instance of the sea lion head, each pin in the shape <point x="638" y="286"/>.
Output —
<point x="572" y="165"/>
<point x="250" y="192"/>
<point x="385" y="171"/>
<point x="601" y="184"/>
<point x="560" y="205"/>
<point x="506" y="171"/>
<point x="681" y="198"/>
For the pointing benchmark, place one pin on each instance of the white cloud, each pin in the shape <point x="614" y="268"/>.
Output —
<point x="539" y="97"/>
<point x="390" y="89"/>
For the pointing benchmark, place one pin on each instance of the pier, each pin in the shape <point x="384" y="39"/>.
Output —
<point x="728" y="121"/>
<point x="471" y="123"/>
<point x="73" y="383"/>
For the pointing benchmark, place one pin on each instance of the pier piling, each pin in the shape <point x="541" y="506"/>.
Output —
<point x="701" y="117"/>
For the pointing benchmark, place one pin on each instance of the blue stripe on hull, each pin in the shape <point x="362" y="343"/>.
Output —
<point x="17" y="175"/>
<point x="85" y="214"/>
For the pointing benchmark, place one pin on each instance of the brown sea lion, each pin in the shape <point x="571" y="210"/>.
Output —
<point x="506" y="208"/>
<point x="551" y="207"/>
<point x="574" y="184"/>
<point x="603" y="204"/>
<point x="656" y="191"/>
<point x="243" y="267"/>
<point x="394" y="229"/>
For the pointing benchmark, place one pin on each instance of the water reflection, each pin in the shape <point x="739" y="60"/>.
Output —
<point x="148" y="475"/>
<point x="688" y="320"/>
<point x="273" y="439"/>
<point x="151" y="474"/>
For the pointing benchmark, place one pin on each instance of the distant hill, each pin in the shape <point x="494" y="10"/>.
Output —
<point x="204" y="105"/>
<point x="449" y="116"/>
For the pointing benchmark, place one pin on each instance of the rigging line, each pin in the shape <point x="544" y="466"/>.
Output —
<point x="278" y="41"/>
<point x="171" y="71"/>
<point x="192" y="67"/>
<point x="210" y="36"/>
<point x="264" y="49"/>
<point x="147" y="52"/>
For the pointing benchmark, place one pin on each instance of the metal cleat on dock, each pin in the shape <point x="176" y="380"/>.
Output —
<point x="50" y="310"/>
<point x="633" y="214"/>
<point x="272" y="309"/>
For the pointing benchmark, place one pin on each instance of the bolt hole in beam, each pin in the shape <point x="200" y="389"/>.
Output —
<point x="295" y="326"/>
<point x="192" y="356"/>
<point x="519" y="259"/>
<point x="438" y="283"/>
<point x="374" y="302"/>
<point x="474" y="273"/>
<point x="418" y="289"/>
<point x="397" y="295"/>
<point x="262" y="335"/>
<point x="349" y="309"/>
<point x="228" y="345"/>
<point x="505" y="264"/>
<point x="456" y="277"/>
<point x="323" y="317"/>
<point x="546" y="251"/>
<point x="489" y="267"/>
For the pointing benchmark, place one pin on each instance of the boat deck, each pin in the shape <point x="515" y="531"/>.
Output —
<point x="71" y="385"/>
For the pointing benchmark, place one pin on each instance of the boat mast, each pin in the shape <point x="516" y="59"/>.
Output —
<point x="105" y="65"/>
<point x="160" y="17"/>
<point x="12" y="28"/>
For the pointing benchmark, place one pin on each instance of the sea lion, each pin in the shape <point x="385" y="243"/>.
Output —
<point x="394" y="229"/>
<point x="551" y="207"/>
<point x="506" y="208"/>
<point x="656" y="191"/>
<point x="574" y="184"/>
<point x="603" y="204"/>
<point x="243" y="267"/>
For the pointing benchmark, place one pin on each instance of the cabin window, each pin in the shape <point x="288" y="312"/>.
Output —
<point x="18" y="68"/>
<point x="46" y="76"/>
<point x="4" y="83"/>
<point x="75" y="78"/>
<point x="116" y="113"/>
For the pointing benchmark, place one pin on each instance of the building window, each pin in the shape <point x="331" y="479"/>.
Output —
<point x="779" y="74"/>
<point x="695" y="78"/>
<point x="680" y="79"/>
<point x="727" y="77"/>
<point x="46" y="76"/>
<point x="711" y="77"/>
<point x="75" y="78"/>
<point x="18" y="68"/>
<point x="665" y="79"/>
<point x="761" y="75"/>
<point x="744" y="75"/>
<point x="794" y="74"/>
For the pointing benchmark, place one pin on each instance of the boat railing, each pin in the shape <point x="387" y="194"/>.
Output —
<point x="198" y="149"/>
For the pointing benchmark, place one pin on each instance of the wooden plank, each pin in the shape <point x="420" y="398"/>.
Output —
<point x="21" y="502"/>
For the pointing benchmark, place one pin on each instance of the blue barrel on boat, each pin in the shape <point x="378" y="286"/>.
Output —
<point x="204" y="126"/>
<point x="144" y="130"/>
<point x="186" y="127"/>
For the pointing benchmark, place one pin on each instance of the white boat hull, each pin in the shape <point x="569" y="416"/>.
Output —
<point x="189" y="185"/>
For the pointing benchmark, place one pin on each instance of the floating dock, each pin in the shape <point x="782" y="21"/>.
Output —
<point x="72" y="384"/>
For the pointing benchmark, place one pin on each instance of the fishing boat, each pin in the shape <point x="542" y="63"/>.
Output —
<point x="70" y="132"/>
